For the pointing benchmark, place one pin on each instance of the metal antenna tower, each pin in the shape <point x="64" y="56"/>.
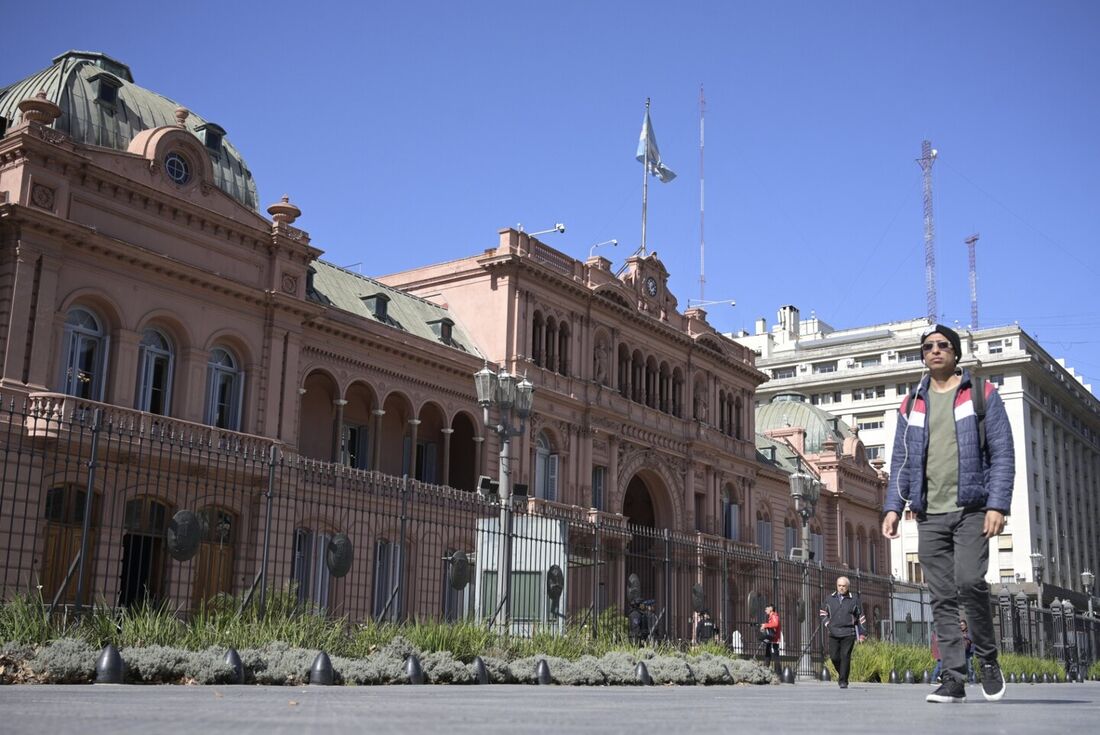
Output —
<point x="970" y="243"/>
<point x="927" y="158"/>
<point x="702" y="270"/>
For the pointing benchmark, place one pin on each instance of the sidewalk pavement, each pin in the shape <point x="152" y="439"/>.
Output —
<point x="805" y="707"/>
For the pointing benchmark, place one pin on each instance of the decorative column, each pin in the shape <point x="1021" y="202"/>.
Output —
<point x="414" y="425"/>
<point x="447" y="455"/>
<point x="613" y="471"/>
<point x="376" y="458"/>
<point x="479" y="458"/>
<point x="339" y="448"/>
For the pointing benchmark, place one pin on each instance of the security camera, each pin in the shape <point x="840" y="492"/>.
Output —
<point x="559" y="227"/>
<point x="614" y="243"/>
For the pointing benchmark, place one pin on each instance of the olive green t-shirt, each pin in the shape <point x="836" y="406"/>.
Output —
<point x="942" y="468"/>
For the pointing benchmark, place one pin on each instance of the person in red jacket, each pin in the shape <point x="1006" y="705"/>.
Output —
<point x="770" y="631"/>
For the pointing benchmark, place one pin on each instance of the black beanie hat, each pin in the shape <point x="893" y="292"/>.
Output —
<point x="952" y="337"/>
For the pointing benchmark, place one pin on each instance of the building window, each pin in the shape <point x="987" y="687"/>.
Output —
<point x="144" y="561"/>
<point x="64" y="515"/>
<point x="311" y="576"/>
<point x="546" y="470"/>
<point x="155" y="363"/>
<point x="997" y="379"/>
<point x="781" y="373"/>
<point x="177" y="168"/>
<point x="996" y="347"/>
<point x="871" y="361"/>
<point x="913" y="569"/>
<point x="875" y="451"/>
<point x="790" y="538"/>
<point x="824" y="367"/>
<point x="224" y="390"/>
<point x="764" y="534"/>
<point x="909" y="356"/>
<point x="357" y="447"/>
<point x="732" y="521"/>
<point x="867" y="423"/>
<point x="86" y="355"/>
<point x="599" y="477"/>
<point x="387" y="589"/>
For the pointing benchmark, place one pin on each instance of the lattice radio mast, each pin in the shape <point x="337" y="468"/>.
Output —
<point x="702" y="270"/>
<point x="927" y="158"/>
<point x="970" y="243"/>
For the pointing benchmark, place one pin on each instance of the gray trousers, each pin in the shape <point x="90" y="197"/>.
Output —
<point x="954" y="557"/>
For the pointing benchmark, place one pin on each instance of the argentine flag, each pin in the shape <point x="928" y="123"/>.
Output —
<point x="647" y="141"/>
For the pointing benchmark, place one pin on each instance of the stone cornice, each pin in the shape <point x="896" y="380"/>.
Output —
<point x="57" y="152"/>
<point x="94" y="242"/>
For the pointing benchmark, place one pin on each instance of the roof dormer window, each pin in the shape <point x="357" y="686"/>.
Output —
<point x="379" y="305"/>
<point x="443" y="329"/>
<point x="106" y="89"/>
<point x="211" y="135"/>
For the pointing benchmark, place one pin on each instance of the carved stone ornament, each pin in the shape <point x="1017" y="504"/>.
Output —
<point x="42" y="196"/>
<point x="290" y="283"/>
<point x="458" y="570"/>
<point x="339" y="555"/>
<point x="185" y="532"/>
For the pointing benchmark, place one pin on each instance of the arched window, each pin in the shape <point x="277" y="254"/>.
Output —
<point x="731" y="515"/>
<point x="563" y="348"/>
<point x="312" y="579"/>
<point x="64" y="516"/>
<point x="546" y="470"/>
<point x="791" y="536"/>
<point x="144" y="561"/>
<point x="85" y="366"/>
<point x="738" y="420"/>
<point x="224" y="390"/>
<point x="214" y="563"/>
<point x="154" y="379"/>
<point x="763" y="532"/>
<point x="536" y="338"/>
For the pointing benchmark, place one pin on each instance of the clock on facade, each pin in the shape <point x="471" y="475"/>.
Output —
<point x="651" y="286"/>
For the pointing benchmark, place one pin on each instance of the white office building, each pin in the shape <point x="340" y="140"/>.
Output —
<point x="861" y="375"/>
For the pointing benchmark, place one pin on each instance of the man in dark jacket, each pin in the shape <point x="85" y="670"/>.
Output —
<point x="843" y="616"/>
<point x="960" y="490"/>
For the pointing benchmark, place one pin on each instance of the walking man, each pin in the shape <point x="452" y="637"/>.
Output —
<point x="843" y="615"/>
<point x="953" y="465"/>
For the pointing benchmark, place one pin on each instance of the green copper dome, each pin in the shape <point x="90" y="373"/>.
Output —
<point x="792" y="409"/>
<point x="101" y="106"/>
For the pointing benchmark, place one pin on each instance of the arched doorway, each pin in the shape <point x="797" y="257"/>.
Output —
<point x="643" y="551"/>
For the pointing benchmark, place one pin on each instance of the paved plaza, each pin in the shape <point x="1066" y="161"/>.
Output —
<point x="806" y="707"/>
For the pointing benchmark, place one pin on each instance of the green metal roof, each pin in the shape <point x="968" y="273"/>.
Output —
<point x="786" y="409"/>
<point x="766" y="448"/>
<point x="70" y="84"/>
<point x="347" y="291"/>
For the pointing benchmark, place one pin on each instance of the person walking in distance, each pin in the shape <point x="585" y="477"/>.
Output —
<point x="770" y="630"/>
<point x="843" y="615"/>
<point x="953" y="464"/>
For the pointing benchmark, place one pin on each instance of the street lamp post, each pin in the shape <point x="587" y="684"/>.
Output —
<point x="1087" y="578"/>
<point x="512" y="398"/>
<point x="805" y="491"/>
<point x="1037" y="573"/>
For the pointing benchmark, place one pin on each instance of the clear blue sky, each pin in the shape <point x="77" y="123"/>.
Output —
<point x="410" y="132"/>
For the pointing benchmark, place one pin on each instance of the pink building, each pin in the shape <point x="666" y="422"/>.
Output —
<point x="138" y="277"/>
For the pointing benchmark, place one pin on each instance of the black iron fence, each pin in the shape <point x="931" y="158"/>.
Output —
<point x="106" y="506"/>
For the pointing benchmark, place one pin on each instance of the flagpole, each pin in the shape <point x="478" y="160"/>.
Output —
<point x="645" y="175"/>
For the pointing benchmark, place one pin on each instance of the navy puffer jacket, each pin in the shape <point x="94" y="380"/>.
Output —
<point x="985" y="480"/>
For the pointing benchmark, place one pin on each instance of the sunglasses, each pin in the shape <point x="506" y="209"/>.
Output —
<point x="944" y="346"/>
